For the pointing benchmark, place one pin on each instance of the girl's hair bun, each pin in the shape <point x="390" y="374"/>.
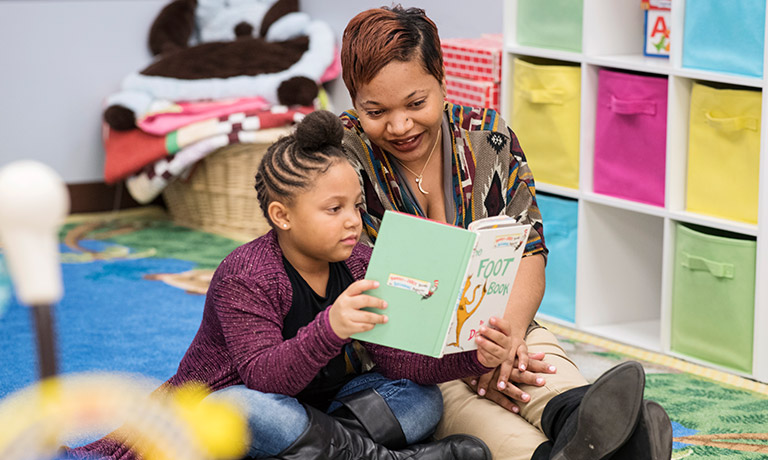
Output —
<point x="319" y="129"/>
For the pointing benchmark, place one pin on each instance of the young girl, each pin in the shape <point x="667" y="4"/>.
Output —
<point x="279" y="313"/>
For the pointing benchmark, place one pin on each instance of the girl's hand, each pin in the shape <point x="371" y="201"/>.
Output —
<point x="345" y="314"/>
<point x="493" y="342"/>
<point x="516" y="362"/>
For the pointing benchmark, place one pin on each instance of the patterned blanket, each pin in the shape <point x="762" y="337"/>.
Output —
<point x="148" y="162"/>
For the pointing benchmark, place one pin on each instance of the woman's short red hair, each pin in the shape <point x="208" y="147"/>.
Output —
<point x="376" y="37"/>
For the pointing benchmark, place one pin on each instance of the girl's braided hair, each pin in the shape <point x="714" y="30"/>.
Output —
<point x="291" y="164"/>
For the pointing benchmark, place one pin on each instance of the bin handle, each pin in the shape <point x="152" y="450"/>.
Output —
<point x="629" y="107"/>
<point x="716" y="269"/>
<point x="733" y="123"/>
<point x="543" y="96"/>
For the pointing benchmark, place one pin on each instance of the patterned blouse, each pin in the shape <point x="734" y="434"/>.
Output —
<point x="488" y="174"/>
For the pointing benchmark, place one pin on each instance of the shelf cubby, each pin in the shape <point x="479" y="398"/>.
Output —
<point x="626" y="249"/>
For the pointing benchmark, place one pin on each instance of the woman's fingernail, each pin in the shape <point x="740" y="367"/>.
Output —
<point x="515" y="409"/>
<point x="552" y="369"/>
<point x="525" y="396"/>
<point x="539" y="381"/>
<point x="502" y="385"/>
<point x="481" y="392"/>
<point x="522" y="367"/>
<point x="474" y="382"/>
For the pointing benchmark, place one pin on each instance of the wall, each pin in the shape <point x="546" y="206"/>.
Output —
<point x="60" y="58"/>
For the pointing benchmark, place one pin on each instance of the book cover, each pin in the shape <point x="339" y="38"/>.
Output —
<point x="433" y="275"/>
<point x="488" y="280"/>
<point x="417" y="262"/>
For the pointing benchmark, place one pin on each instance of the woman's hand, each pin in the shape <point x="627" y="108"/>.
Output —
<point x="345" y="314"/>
<point x="505" y="393"/>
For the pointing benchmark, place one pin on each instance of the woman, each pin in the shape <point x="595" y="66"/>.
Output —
<point x="421" y="155"/>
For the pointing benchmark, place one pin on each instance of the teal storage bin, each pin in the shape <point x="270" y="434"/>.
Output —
<point x="724" y="36"/>
<point x="560" y="217"/>
<point x="550" y="24"/>
<point x="713" y="297"/>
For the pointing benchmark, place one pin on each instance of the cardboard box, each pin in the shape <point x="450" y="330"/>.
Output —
<point x="473" y="92"/>
<point x="658" y="17"/>
<point x="474" y="58"/>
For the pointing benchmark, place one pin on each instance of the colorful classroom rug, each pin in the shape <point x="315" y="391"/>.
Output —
<point x="134" y="292"/>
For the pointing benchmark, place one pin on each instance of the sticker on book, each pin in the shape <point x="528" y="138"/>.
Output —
<point x="424" y="288"/>
<point x="510" y="240"/>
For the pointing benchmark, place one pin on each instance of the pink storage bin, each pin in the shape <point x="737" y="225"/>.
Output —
<point x="630" y="136"/>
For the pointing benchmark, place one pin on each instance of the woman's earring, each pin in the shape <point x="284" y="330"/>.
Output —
<point x="285" y="225"/>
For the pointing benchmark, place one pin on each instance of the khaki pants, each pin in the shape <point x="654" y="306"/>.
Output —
<point x="509" y="435"/>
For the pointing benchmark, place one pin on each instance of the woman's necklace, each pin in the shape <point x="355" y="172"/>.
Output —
<point x="420" y="177"/>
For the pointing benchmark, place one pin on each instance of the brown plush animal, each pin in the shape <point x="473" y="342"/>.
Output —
<point x="219" y="49"/>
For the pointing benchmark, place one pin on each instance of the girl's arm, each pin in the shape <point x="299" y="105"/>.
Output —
<point x="252" y="321"/>
<point x="425" y="370"/>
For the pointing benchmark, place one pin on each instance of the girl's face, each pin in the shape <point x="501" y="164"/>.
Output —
<point x="401" y="110"/>
<point x="324" y="222"/>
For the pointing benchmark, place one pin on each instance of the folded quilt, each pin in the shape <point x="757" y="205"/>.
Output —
<point x="167" y="116"/>
<point x="128" y="152"/>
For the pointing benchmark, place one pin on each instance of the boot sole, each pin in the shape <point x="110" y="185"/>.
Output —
<point x="608" y="414"/>
<point x="660" y="429"/>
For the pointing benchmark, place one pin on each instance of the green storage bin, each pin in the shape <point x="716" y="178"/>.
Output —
<point x="713" y="297"/>
<point x="550" y="24"/>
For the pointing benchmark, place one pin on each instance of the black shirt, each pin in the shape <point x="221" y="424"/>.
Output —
<point x="305" y="306"/>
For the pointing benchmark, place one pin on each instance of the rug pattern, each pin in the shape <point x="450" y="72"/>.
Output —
<point x="134" y="285"/>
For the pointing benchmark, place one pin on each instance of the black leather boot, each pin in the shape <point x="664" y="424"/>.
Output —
<point x="367" y="413"/>
<point x="325" y="439"/>
<point x="652" y="438"/>
<point x="543" y="452"/>
<point x="593" y="422"/>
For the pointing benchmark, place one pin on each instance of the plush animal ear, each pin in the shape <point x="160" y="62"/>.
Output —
<point x="297" y="91"/>
<point x="277" y="11"/>
<point x="120" y="118"/>
<point x="173" y="27"/>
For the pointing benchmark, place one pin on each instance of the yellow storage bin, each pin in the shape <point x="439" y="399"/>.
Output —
<point x="723" y="153"/>
<point x="545" y="117"/>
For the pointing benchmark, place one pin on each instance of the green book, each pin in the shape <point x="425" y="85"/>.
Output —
<point x="441" y="282"/>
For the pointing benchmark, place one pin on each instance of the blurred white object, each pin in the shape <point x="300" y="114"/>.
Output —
<point x="33" y="204"/>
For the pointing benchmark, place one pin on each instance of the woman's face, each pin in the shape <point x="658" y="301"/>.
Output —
<point x="401" y="110"/>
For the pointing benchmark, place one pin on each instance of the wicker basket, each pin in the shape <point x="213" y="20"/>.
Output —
<point x="219" y="196"/>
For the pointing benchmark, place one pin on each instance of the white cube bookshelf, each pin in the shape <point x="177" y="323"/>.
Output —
<point x="625" y="250"/>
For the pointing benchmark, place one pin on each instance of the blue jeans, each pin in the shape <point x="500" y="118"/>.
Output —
<point x="275" y="421"/>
